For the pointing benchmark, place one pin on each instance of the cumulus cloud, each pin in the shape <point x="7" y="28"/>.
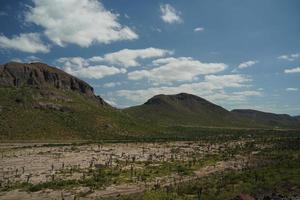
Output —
<point x="26" y="42"/>
<point x="247" y="64"/>
<point x="211" y="88"/>
<point x="85" y="67"/>
<point x="292" y="70"/>
<point x="289" y="57"/>
<point x="129" y="57"/>
<point x="176" y="69"/>
<point x="81" y="22"/>
<point x="80" y="67"/>
<point x="291" y="89"/>
<point x="169" y="14"/>
<point x="94" y="72"/>
<point x="199" y="29"/>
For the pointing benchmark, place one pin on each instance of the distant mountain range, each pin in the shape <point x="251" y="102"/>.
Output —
<point x="38" y="101"/>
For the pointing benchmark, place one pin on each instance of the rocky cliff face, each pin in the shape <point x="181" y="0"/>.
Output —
<point x="39" y="75"/>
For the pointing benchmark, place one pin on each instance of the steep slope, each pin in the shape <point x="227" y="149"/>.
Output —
<point x="183" y="109"/>
<point x="42" y="102"/>
<point x="268" y="119"/>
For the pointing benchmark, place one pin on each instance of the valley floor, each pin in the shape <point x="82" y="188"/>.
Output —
<point x="251" y="166"/>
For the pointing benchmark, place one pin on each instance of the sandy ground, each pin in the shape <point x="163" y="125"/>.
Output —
<point x="37" y="164"/>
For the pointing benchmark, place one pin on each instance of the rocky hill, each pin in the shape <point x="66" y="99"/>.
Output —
<point x="39" y="101"/>
<point x="42" y="76"/>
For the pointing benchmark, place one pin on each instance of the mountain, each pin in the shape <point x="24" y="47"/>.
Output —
<point x="190" y="110"/>
<point x="268" y="119"/>
<point x="183" y="109"/>
<point x="38" y="101"/>
<point x="42" y="76"/>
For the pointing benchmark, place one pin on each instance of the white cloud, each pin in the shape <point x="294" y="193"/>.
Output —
<point x="85" y="67"/>
<point x="28" y="59"/>
<point x="111" y="102"/>
<point x="129" y="57"/>
<point x="176" y="69"/>
<point x="292" y="70"/>
<point x="73" y="62"/>
<point x="247" y="64"/>
<point x="81" y="22"/>
<point x="96" y="59"/>
<point x="26" y="42"/>
<point x="16" y="60"/>
<point x="233" y="81"/>
<point x="248" y="93"/>
<point x="211" y="88"/>
<point x="169" y="14"/>
<point x="111" y="84"/>
<point x="291" y="89"/>
<point x="80" y="67"/>
<point x="199" y="29"/>
<point x="94" y="72"/>
<point x="290" y="57"/>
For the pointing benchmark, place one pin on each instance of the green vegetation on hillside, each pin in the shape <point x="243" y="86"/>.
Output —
<point x="192" y="111"/>
<point x="40" y="102"/>
<point x="68" y="115"/>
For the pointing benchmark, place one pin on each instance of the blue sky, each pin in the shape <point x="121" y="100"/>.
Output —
<point x="239" y="54"/>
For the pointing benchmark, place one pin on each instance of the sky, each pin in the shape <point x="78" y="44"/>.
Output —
<point x="235" y="53"/>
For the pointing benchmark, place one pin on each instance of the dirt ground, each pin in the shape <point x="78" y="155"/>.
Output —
<point x="40" y="163"/>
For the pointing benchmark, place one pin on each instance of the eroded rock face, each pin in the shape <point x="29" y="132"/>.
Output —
<point x="40" y="75"/>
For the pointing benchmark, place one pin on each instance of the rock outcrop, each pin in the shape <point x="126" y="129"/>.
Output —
<point x="44" y="77"/>
<point x="41" y="76"/>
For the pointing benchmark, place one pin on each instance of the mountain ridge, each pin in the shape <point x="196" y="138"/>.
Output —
<point x="40" y="101"/>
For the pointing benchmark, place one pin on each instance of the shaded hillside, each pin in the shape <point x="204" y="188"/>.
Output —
<point x="269" y="119"/>
<point x="38" y="101"/>
<point x="184" y="109"/>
